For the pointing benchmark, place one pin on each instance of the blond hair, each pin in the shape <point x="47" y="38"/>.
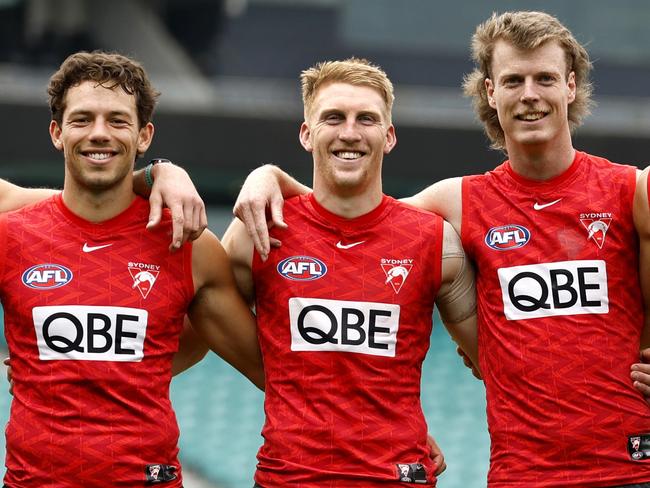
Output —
<point x="355" y="71"/>
<point x="527" y="31"/>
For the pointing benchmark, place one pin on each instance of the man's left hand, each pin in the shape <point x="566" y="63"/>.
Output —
<point x="173" y="188"/>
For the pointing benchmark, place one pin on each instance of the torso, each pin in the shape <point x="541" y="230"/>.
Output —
<point x="343" y="332"/>
<point x="560" y="318"/>
<point x="91" y="407"/>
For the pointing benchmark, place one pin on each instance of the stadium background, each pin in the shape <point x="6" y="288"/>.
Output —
<point x="228" y="72"/>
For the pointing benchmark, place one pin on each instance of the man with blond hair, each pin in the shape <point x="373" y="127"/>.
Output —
<point x="552" y="234"/>
<point x="344" y="306"/>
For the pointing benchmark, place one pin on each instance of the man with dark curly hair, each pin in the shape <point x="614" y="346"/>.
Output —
<point x="95" y="303"/>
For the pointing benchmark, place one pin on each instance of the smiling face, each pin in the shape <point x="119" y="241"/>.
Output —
<point x="531" y="92"/>
<point x="348" y="132"/>
<point x="99" y="137"/>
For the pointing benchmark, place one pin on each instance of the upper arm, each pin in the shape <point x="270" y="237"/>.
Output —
<point x="219" y="313"/>
<point x="444" y="198"/>
<point x="13" y="197"/>
<point x="239" y="247"/>
<point x="456" y="298"/>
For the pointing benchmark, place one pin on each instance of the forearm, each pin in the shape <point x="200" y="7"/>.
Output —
<point x="191" y="349"/>
<point x="13" y="197"/>
<point x="288" y="185"/>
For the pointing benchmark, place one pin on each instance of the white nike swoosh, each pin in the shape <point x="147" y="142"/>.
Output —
<point x="348" y="246"/>
<point x="540" y="206"/>
<point x="88" y="248"/>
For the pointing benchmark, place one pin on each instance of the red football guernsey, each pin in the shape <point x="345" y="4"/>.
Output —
<point x="93" y="314"/>
<point x="560" y="318"/>
<point x="344" y="317"/>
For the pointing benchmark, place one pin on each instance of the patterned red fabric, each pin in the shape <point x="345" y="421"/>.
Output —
<point x="90" y="409"/>
<point x="343" y="401"/>
<point x="560" y="319"/>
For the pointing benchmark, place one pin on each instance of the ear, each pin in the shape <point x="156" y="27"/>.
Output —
<point x="305" y="135"/>
<point x="489" y="89"/>
<point x="571" y="85"/>
<point x="145" y="136"/>
<point x="55" y="135"/>
<point x="391" y="139"/>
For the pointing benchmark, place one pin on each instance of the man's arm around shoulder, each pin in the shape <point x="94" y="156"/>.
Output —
<point x="13" y="197"/>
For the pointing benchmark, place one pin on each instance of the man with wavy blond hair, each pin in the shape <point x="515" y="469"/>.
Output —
<point x="552" y="234"/>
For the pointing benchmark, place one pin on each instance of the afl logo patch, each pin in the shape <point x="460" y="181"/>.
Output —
<point x="47" y="276"/>
<point x="302" y="268"/>
<point x="507" y="237"/>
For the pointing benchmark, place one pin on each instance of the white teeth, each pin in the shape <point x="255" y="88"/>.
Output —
<point x="99" y="156"/>
<point x="349" y="155"/>
<point x="535" y="116"/>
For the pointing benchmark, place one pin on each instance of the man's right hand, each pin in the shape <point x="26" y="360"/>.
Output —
<point x="261" y="192"/>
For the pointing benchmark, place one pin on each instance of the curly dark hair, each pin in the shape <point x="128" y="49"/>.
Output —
<point x="105" y="69"/>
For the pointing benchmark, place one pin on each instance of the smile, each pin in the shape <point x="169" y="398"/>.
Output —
<point x="531" y="116"/>
<point x="348" y="155"/>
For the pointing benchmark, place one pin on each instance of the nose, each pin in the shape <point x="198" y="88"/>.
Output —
<point x="530" y="91"/>
<point x="349" y="131"/>
<point x="99" y="131"/>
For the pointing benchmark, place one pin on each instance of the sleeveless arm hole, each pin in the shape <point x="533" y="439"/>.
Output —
<point x="3" y="246"/>
<point x="439" y="229"/>
<point x="465" y="238"/>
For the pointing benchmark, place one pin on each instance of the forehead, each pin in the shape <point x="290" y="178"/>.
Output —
<point x="507" y="58"/>
<point x="88" y="96"/>
<point x="344" y="96"/>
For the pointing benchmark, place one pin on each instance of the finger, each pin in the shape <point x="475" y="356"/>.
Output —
<point x="178" y="224"/>
<point x="245" y="215"/>
<point x="6" y="361"/>
<point x="441" y="468"/>
<point x="155" y="210"/>
<point x="643" y="388"/>
<point x="277" y="217"/>
<point x="188" y="221"/>
<point x="196" y="223"/>
<point x="262" y="231"/>
<point x="275" y="242"/>
<point x="203" y="220"/>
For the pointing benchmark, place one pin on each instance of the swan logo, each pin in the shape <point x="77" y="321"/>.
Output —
<point x="396" y="271"/>
<point x="597" y="225"/>
<point x="144" y="277"/>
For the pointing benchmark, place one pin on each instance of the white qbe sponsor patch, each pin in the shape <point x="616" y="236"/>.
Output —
<point x="343" y="326"/>
<point x="548" y="289"/>
<point x="90" y="333"/>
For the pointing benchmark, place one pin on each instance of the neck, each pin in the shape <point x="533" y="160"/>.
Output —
<point x="543" y="161"/>
<point x="97" y="206"/>
<point x="346" y="205"/>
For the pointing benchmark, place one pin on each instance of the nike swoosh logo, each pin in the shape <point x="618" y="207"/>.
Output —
<point x="540" y="206"/>
<point x="88" y="248"/>
<point x="340" y="245"/>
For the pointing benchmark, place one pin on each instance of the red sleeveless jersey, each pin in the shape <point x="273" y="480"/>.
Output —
<point x="93" y="313"/>
<point x="560" y="318"/>
<point x="344" y="317"/>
